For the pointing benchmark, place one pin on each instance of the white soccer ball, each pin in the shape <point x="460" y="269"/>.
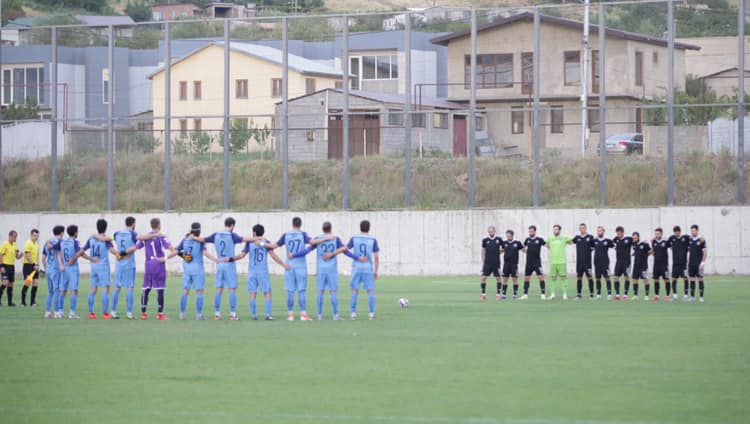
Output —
<point x="404" y="302"/>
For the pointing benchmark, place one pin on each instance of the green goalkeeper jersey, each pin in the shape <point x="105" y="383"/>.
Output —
<point x="556" y="246"/>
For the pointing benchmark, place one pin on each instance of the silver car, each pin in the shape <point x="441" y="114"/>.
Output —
<point x="628" y="143"/>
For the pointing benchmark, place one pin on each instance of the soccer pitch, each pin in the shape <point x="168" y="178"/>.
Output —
<point x="448" y="358"/>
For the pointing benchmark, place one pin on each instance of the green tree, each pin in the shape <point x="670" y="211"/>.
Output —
<point x="69" y="37"/>
<point x="27" y="111"/>
<point x="249" y="31"/>
<point x="260" y="135"/>
<point x="144" y="37"/>
<point x="12" y="9"/>
<point x="239" y="135"/>
<point x="200" y="142"/>
<point x="146" y="143"/>
<point x="197" y="29"/>
<point x="138" y="10"/>
<point x="97" y="6"/>
<point x="307" y="29"/>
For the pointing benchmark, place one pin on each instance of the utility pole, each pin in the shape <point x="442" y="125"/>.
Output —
<point x="584" y="79"/>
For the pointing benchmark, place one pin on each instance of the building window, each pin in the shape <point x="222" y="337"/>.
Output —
<point x="593" y="118"/>
<point x="418" y="120"/>
<point x="105" y="86"/>
<point x="396" y="117"/>
<point x="516" y="119"/>
<point x="595" y="71"/>
<point x="382" y="67"/>
<point x="655" y="58"/>
<point x="639" y="69"/>
<point x="527" y="73"/>
<point x="183" y="90"/>
<point x="556" y="119"/>
<point x="480" y="123"/>
<point x="197" y="91"/>
<point x="276" y="87"/>
<point x="240" y="89"/>
<point x="354" y="70"/>
<point x="183" y="128"/>
<point x="309" y="85"/>
<point x="310" y="135"/>
<point x="22" y="84"/>
<point x="338" y="85"/>
<point x="197" y="124"/>
<point x="572" y="68"/>
<point x="440" y="120"/>
<point x="493" y="71"/>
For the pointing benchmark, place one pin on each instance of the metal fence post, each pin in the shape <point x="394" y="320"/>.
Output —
<point x="670" y="103"/>
<point x="602" y="108"/>
<point x="345" y="113"/>
<point x="537" y="85"/>
<point x="226" y="115"/>
<point x="110" y="120"/>
<point x="285" y="110"/>
<point x="53" y="118"/>
<point x="167" y="117"/>
<point x="741" y="105"/>
<point x="473" y="110"/>
<point x="407" y="111"/>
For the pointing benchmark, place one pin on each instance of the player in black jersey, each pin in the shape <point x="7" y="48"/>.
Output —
<point x="623" y="248"/>
<point x="510" y="249"/>
<point x="641" y="251"/>
<point x="659" y="248"/>
<point x="491" y="261"/>
<point x="584" y="246"/>
<point x="533" y="248"/>
<point x="698" y="254"/>
<point x="601" y="262"/>
<point x="679" y="243"/>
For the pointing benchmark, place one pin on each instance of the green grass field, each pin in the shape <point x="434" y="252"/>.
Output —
<point x="446" y="359"/>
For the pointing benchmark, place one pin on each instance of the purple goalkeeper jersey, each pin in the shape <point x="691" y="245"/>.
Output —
<point x="154" y="248"/>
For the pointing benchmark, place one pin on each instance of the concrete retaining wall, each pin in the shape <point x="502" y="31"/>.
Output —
<point x="436" y="242"/>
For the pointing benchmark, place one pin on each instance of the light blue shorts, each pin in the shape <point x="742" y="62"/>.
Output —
<point x="125" y="277"/>
<point x="226" y="278"/>
<point x="295" y="280"/>
<point x="327" y="280"/>
<point x="363" y="278"/>
<point x="194" y="281"/>
<point x="99" y="278"/>
<point x="53" y="281"/>
<point x="259" y="281"/>
<point x="69" y="279"/>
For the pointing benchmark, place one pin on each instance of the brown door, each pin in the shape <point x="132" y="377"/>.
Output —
<point x="364" y="135"/>
<point x="335" y="137"/>
<point x="459" y="135"/>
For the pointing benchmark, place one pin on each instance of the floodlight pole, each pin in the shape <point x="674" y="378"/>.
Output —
<point x="741" y="105"/>
<point x="670" y="103"/>
<point x="53" y="119"/>
<point x="537" y="86"/>
<point x="110" y="120"/>
<point x="602" y="108"/>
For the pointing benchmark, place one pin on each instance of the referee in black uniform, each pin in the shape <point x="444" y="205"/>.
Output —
<point x="491" y="246"/>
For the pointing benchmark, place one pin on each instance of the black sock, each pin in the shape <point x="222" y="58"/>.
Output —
<point x="692" y="289"/>
<point x="542" y="286"/>
<point x="33" y="294"/>
<point x="2" y="290"/>
<point x="160" y="300"/>
<point x="667" y="286"/>
<point x="686" y="287"/>
<point x="579" y="286"/>
<point x="627" y="287"/>
<point x="10" y="295"/>
<point x="484" y="287"/>
<point x="144" y="300"/>
<point x="609" y="287"/>
<point x="617" y="288"/>
<point x="674" y="286"/>
<point x="635" y="288"/>
<point x="24" y="290"/>
<point x="525" y="287"/>
<point x="656" y="288"/>
<point x="505" y="289"/>
<point x="700" y="287"/>
<point x="646" y="289"/>
<point x="515" y="289"/>
<point x="499" y="288"/>
<point x="598" y="287"/>
<point x="591" y="287"/>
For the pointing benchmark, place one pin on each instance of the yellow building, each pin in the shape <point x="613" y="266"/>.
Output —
<point x="197" y="92"/>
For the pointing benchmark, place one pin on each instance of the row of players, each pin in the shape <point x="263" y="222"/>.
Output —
<point x="61" y="255"/>
<point x="689" y="255"/>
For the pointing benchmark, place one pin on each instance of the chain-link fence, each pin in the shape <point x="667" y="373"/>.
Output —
<point x="550" y="105"/>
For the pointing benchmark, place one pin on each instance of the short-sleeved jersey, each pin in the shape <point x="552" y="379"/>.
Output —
<point x="32" y="248"/>
<point x="258" y="258"/>
<point x="51" y="255"/>
<point x="584" y="243"/>
<point x="696" y="248"/>
<point x="601" y="250"/>
<point x="556" y="246"/>
<point x="154" y="248"/>
<point x="510" y="251"/>
<point x="640" y="255"/>
<point x="100" y="250"/>
<point x="124" y="240"/>
<point x="661" y="253"/>
<point x="534" y="250"/>
<point x="623" y="247"/>
<point x="195" y="250"/>
<point x="491" y="246"/>
<point x="295" y="242"/>
<point x="328" y="246"/>
<point x="679" y="246"/>
<point x="69" y="247"/>
<point x="363" y="245"/>
<point x="224" y="242"/>
<point x="8" y="250"/>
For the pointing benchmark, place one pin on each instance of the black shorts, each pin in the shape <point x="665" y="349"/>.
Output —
<point x="10" y="273"/>
<point x="640" y="274"/>
<point x="533" y="269"/>
<point x="621" y="268"/>
<point x="28" y="269"/>
<point x="493" y="269"/>
<point x="582" y="269"/>
<point x="601" y="270"/>
<point x="510" y="270"/>
<point x="678" y="271"/>
<point x="694" y="270"/>
<point x="660" y="272"/>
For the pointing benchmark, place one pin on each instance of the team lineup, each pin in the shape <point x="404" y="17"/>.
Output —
<point x="689" y="255"/>
<point x="61" y="253"/>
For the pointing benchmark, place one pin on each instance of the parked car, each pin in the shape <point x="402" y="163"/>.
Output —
<point x="625" y="143"/>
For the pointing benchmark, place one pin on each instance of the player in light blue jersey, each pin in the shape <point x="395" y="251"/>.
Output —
<point x="68" y="252"/>
<point x="226" y="270"/>
<point x="326" y="271"/>
<point x="258" y="276"/>
<point x="295" y="279"/>
<point x="192" y="253"/>
<point x="100" y="272"/>
<point x="52" y="270"/>
<point x="364" y="273"/>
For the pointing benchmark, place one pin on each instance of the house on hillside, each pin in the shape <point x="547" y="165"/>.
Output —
<point x="726" y="81"/>
<point x="716" y="63"/>
<point x="172" y="11"/>
<point x="376" y="125"/>
<point x="124" y="24"/>
<point x="636" y="71"/>
<point x="197" y="99"/>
